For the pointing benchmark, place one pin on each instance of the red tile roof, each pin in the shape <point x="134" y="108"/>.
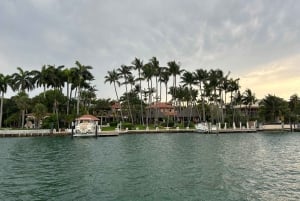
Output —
<point x="88" y="117"/>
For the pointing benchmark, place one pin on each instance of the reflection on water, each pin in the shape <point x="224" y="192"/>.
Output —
<point x="152" y="167"/>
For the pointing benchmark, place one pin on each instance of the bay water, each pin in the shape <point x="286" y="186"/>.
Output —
<point x="181" y="166"/>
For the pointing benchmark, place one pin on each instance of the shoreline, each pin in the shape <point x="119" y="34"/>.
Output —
<point x="48" y="133"/>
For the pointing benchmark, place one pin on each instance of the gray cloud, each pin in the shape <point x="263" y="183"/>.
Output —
<point x="233" y="35"/>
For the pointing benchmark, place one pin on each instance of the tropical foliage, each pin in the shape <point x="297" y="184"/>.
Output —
<point x="197" y="95"/>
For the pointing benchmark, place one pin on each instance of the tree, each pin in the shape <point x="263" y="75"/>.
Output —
<point x="138" y="65"/>
<point x="200" y="77"/>
<point x="294" y="107"/>
<point x="88" y="96"/>
<point x="125" y="73"/>
<point x="23" y="80"/>
<point x="23" y="102"/>
<point x="188" y="80"/>
<point x="215" y="78"/>
<point x="164" y="78"/>
<point x="248" y="99"/>
<point x="174" y="69"/>
<point x="39" y="111"/>
<point x="41" y="78"/>
<point x="70" y="76"/>
<point x="4" y="82"/>
<point x="56" y="80"/>
<point x="273" y="109"/>
<point x="84" y="75"/>
<point x="148" y="72"/>
<point x="113" y="78"/>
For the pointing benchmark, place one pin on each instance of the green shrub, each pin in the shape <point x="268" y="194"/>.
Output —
<point x="125" y="125"/>
<point x="166" y="124"/>
<point x="113" y="124"/>
<point x="187" y="124"/>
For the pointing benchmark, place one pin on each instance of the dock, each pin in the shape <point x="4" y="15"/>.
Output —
<point x="100" y="134"/>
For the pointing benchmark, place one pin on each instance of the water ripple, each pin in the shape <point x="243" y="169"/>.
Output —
<point x="152" y="167"/>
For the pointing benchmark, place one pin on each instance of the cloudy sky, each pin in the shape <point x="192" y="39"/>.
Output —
<point x="257" y="41"/>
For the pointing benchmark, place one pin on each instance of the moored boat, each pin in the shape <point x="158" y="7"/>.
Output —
<point x="86" y="126"/>
<point x="201" y="127"/>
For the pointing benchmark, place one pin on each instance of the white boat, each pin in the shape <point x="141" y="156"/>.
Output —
<point x="86" y="125"/>
<point x="201" y="128"/>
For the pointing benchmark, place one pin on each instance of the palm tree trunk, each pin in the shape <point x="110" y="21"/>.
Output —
<point x="128" y="102"/>
<point x="160" y="91"/>
<point x="118" y="101"/>
<point x="68" y="100"/>
<point x="23" y="118"/>
<point x="166" y="92"/>
<point x="202" y="104"/>
<point x="141" y="95"/>
<point x="44" y="91"/>
<point x="156" y="101"/>
<point x="78" y="100"/>
<point x="1" y="109"/>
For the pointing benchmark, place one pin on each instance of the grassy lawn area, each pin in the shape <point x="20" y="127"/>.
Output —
<point x="141" y="127"/>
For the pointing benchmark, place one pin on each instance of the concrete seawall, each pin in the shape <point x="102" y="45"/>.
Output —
<point x="32" y="133"/>
<point x="47" y="132"/>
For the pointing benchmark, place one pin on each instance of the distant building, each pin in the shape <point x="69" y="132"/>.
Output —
<point x="244" y="109"/>
<point x="160" y="110"/>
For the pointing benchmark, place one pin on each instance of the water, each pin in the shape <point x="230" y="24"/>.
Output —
<point x="152" y="167"/>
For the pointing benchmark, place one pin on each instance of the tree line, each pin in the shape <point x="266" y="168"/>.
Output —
<point x="52" y="79"/>
<point x="215" y="95"/>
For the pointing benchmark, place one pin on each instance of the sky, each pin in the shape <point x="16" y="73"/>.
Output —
<point x="257" y="41"/>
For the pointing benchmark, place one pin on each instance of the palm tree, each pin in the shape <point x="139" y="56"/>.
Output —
<point x="214" y="81"/>
<point x="22" y="80"/>
<point x="56" y="80"/>
<point x="233" y="87"/>
<point x="237" y="100"/>
<point x="174" y="69"/>
<point x="55" y="77"/>
<point x="148" y="73"/>
<point x="113" y="78"/>
<point x="124" y="72"/>
<point x="4" y="82"/>
<point x="138" y="65"/>
<point x="273" y="108"/>
<point x="154" y="63"/>
<point x="39" y="111"/>
<point x="164" y="78"/>
<point x="200" y="77"/>
<point x="88" y="96"/>
<point x="223" y="90"/>
<point x="84" y="75"/>
<point x="70" y="76"/>
<point x="131" y="81"/>
<point x="22" y="102"/>
<point x="188" y="80"/>
<point x="249" y="99"/>
<point x="294" y="106"/>
<point x="41" y="78"/>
